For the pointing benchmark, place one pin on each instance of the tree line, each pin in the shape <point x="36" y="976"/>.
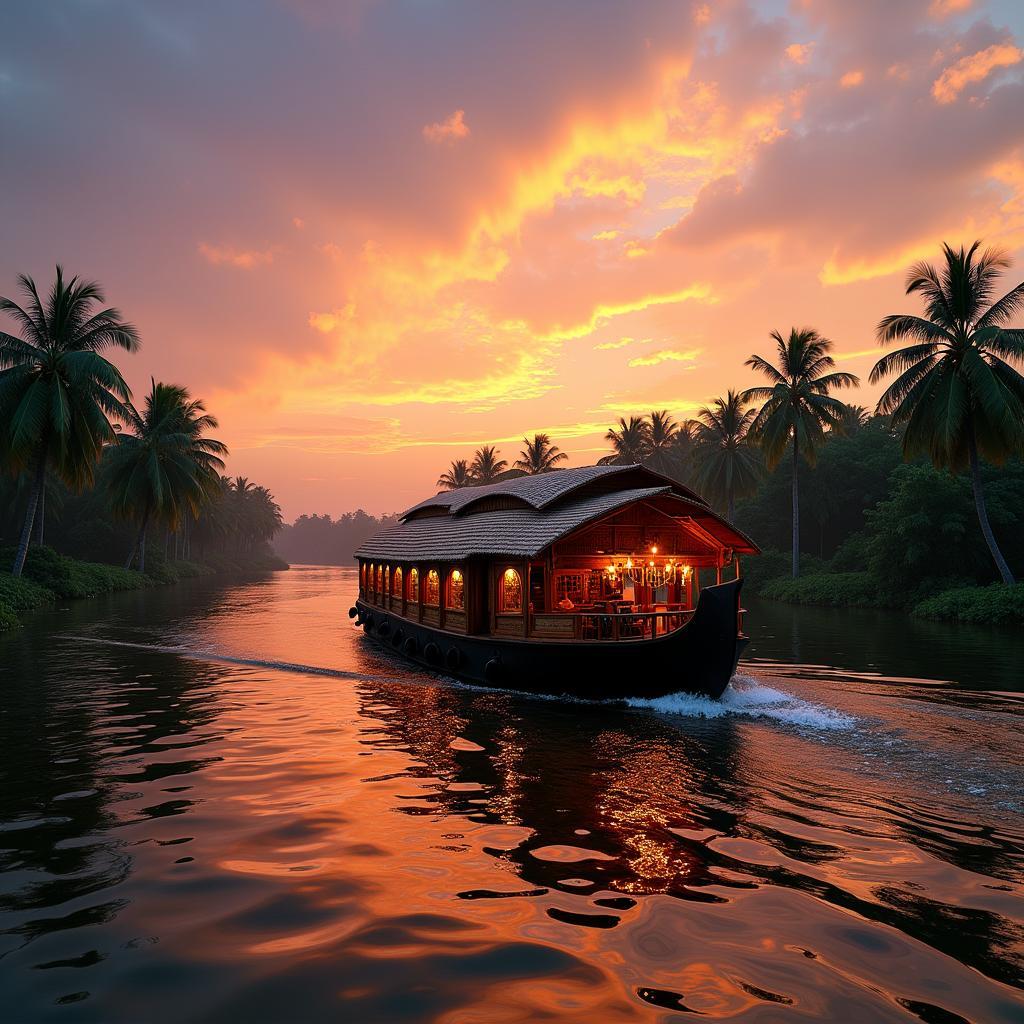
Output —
<point x="956" y="402"/>
<point x="71" y="438"/>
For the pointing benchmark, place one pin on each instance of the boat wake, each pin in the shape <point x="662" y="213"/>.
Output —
<point x="748" y="697"/>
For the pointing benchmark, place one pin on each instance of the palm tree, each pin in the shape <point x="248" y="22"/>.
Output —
<point x="164" y="469"/>
<point x="797" y="407"/>
<point x="487" y="467"/>
<point x="662" y="438"/>
<point x="855" y="417"/>
<point x="728" y="467"/>
<point x="683" y="452"/>
<point x="458" y="476"/>
<point x="539" y="455"/>
<point x="56" y="390"/>
<point x="957" y="396"/>
<point x="631" y="442"/>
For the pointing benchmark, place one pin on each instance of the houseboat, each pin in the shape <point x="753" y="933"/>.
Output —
<point x="578" y="581"/>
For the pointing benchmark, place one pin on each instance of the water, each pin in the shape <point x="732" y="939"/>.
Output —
<point x="218" y="802"/>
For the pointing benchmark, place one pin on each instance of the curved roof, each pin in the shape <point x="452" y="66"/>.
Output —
<point x="544" y="489"/>
<point x="531" y="513"/>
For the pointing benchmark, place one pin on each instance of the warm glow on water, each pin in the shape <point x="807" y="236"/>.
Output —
<point x="208" y="836"/>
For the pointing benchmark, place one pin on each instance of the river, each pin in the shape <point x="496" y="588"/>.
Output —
<point x="219" y="802"/>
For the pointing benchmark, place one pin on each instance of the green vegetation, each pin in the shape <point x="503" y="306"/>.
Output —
<point x="77" y="457"/>
<point x="994" y="604"/>
<point x="956" y="395"/>
<point x="871" y="506"/>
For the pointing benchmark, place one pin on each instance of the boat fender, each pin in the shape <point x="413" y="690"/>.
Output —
<point x="410" y="645"/>
<point x="383" y="629"/>
<point x="453" y="658"/>
<point x="492" y="670"/>
<point x="353" y="612"/>
<point x="432" y="653"/>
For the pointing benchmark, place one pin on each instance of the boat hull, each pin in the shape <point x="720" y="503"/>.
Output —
<point x="699" y="657"/>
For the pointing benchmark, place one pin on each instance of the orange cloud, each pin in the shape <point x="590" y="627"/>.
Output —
<point x="799" y="53"/>
<point x="668" y="355"/>
<point x="452" y="128"/>
<point x="246" y="259"/>
<point x="851" y="79"/>
<point x="974" y="68"/>
<point x="944" y="8"/>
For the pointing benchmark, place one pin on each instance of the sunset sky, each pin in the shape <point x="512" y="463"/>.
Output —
<point x="375" y="235"/>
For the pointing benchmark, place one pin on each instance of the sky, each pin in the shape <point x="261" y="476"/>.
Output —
<point x="374" y="235"/>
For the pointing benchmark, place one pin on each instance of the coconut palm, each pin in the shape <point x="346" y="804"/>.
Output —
<point x="728" y="467"/>
<point x="855" y="417"/>
<point x="631" y="442"/>
<point x="486" y="466"/>
<point x="163" y="468"/>
<point x="458" y="476"/>
<point x="797" y="407"/>
<point x="662" y="438"/>
<point x="539" y="455"/>
<point x="56" y="390"/>
<point x="957" y="396"/>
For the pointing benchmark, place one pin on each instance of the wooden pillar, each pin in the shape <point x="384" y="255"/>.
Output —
<point x="737" y="566"/>
<point x="442" y="595"/>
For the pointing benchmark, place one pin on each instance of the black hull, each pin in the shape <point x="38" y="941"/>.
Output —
<point x="700" y="657"/>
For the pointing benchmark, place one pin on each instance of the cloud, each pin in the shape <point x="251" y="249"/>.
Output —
<point x="799" y="53"/>
<point x="851" y="79"/>
<point x="944" y="8"/>
<point x="621" y="343"/>
<point x="974" y="68"/>
<point x="245" y="259"/>
<point x="452" y="128"/>
<point x="667" y="355"/>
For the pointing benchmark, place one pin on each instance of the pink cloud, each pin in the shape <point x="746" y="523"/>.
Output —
<point x="452" y="128"/>
<point x="974" y="68"/>
<point x="245" y="259"/>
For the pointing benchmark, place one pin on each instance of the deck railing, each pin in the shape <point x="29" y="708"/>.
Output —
<point x="604" y="625"/>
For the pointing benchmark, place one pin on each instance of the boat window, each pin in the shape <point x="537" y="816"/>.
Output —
<point x="433" y="589"/>
<point x="456" y="590"/>
<point x="511" y="591"/>
<point x="396" y="581"/>
<point x="362" y="576"/>
<point x="387" y="576"/>
<point x="414" y="585"/>
<point x="376" y="580"/>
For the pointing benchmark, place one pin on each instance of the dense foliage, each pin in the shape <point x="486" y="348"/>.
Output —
<point x="78" y="460"/>
<point x="320" y="540"/>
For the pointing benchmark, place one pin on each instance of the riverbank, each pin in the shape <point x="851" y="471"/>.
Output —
<point x="819" y="585"/>
<point x="50" y="577"/>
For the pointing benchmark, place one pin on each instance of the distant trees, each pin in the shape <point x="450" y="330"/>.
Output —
<point x="458" y="475"/>
<point x="539" y="455"/>
<point x="957" y="397"/>
<point x="321" y="540"/>
<point x="728" y="467"/>
<point x="486" y="467"/>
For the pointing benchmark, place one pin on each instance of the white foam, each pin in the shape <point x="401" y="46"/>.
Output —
<point x="746" y="696"/>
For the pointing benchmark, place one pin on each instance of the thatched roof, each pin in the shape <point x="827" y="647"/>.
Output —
<point x="520" y="518"/>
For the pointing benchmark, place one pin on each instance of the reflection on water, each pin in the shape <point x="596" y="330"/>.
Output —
<point x="190" y="832"/>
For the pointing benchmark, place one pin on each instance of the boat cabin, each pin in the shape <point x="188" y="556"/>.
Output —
<point x="598" y="553"/>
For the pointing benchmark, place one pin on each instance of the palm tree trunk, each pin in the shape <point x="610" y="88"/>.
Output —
<point x="30" y="513"/>
<point x="979" y="504"/>
<point x="41" y="516"/>
<point x="140" y="545"/>
<point x="796" y="509"/>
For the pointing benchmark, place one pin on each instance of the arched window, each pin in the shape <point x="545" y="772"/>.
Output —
<point x="433" y="589"/>
<point x="511" y="597"/>
<point x="414" y="585"/>
<point x="376" y="580"/>
<point x="387" y="580"/>
<point x="396" y="581"/>
<point x="456" y="598"/>
<point x="362" y="575"/>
